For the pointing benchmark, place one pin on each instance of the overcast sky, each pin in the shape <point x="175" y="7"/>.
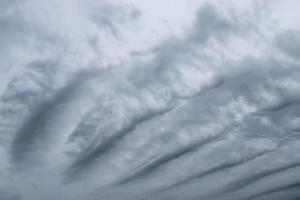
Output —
<point x="149" y="100"/>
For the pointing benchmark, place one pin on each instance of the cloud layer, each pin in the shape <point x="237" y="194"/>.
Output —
<point x="126" y="100"/>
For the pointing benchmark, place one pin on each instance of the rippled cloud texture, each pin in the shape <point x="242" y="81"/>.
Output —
<point x="149" y="100"/>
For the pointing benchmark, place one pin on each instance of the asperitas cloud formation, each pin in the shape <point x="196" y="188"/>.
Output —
<point x="149" y="100"/>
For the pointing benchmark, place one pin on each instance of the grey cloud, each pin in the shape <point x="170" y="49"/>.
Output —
<point x="154" y="164"/>
<point x="292" y="186"/>
<point x="187" y="122"/>
<point x="108" y="142"/>
<point x="12" y="26"/>
<point x="9" y="196"/>
<point x="32" y="132"/>
<point x="174" y="53"/>
<point x="20" y="96"/>
<point x="209" y="24"/>
<point x="259" y="176"/>
<point x="289" y="43"/>
<point x="113" y="17"/>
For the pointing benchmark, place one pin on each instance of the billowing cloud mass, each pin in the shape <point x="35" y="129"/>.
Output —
<point x="149" y="100"/>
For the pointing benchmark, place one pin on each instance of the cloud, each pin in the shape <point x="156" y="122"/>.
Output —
<point x="8" y="196"/>
<point x="87" y="114"/>
<point x="33" y="131"/>
<point x="289" y="43"/>
<point x="110" y="17"/>
<point x="94" y="151"/>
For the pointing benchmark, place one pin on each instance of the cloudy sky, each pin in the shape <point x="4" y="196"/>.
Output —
<point x="149" y="100"/>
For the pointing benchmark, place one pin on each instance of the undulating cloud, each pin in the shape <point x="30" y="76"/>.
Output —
<point x="149" y="100"/>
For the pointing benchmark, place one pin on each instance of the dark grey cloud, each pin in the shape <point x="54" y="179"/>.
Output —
<point x="34" y="130"/>
<point x="94" y="151"/>
<point x="20" y="96"/>
<point x="289" y="43"/>
<point x="9" y="196"/>
<point x="210" y="24"/>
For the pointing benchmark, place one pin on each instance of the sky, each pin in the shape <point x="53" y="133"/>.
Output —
<point x="149" y="100"/>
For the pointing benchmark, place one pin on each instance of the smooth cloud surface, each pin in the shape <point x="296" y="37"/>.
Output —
<point x="141" y="100"/>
